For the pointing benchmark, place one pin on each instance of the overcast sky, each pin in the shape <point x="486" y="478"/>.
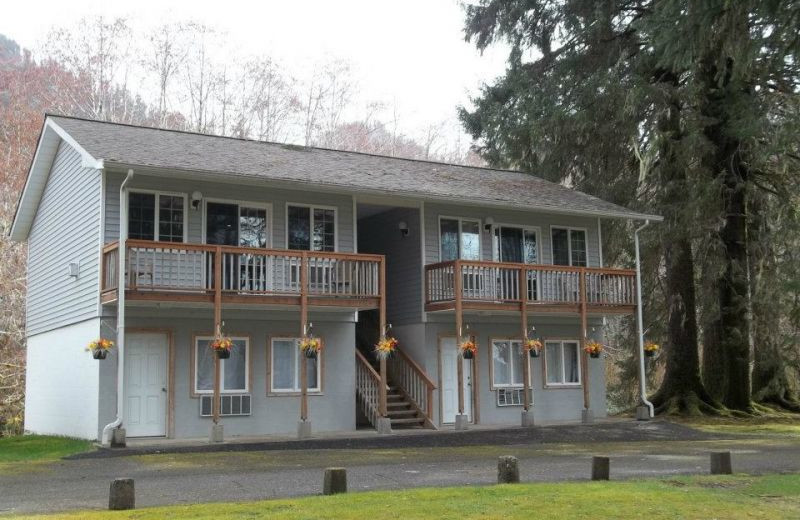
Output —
<point x="410" y="54"/>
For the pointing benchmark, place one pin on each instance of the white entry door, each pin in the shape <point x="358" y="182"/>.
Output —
<point x="449" y="393"/>
<point x="146" y="384"/>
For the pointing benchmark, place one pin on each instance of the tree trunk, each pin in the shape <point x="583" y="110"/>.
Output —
<point x="682" y="390"/>
<point x="726" y="166"/>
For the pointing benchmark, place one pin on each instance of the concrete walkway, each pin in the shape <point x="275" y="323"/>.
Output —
<point x="252" y="474"/>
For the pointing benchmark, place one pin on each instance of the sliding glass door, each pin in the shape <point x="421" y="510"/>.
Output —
<point x="230" y="224"/>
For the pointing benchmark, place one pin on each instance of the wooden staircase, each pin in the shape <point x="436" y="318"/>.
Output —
<point x="409" y="392"/>
<point x="401" y="411"/>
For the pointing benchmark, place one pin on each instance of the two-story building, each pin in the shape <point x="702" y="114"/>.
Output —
<point x="163" y="240"/>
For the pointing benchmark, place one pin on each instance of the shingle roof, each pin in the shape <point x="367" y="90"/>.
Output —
<point x="128" y="145"/>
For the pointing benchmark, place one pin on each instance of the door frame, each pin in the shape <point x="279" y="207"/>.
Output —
<point x="239" y="203"/>
<point x="170" y="371"/>
<point x="474" y="372"/>
<point x="523" y="227"/>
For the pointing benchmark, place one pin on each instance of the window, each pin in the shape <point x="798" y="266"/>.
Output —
<point x="286" y="363"/>
<point x="156" y="216"/>
<point x="311" y="228"/>
<point x="516" y="244"/>
<point x="569" y="246"/>
<point x="233" y="371"/>
<point x="459" y="239"/>
<point x="562" y="363"/>
<point x="507" y="360"/>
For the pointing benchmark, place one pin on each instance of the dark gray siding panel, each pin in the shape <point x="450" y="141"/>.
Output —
<point x="66" y="229"/>
<point x="380" y="234"/>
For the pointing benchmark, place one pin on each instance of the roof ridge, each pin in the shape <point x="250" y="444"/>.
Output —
<point x="321" y="148"/>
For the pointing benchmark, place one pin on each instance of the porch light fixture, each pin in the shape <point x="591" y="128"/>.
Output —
<point x="488" y="223"/>
<point x="403" y="227"/>
<point x="197" y="198"/>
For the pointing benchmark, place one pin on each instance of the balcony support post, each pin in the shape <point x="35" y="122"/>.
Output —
<point x="584" y="359"/>
<point x="458" y="280"/>
<point x="303" y="332"/>
<point x="523" y="311"/>
<point x="217" y="330"/>
<point x="384" y="424"/>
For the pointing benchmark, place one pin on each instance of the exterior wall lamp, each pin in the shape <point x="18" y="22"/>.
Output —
<point x="403" y="227"/>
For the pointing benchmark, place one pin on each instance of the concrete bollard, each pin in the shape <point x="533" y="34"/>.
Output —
<point x="335" y="481"/>
<point x="601" y="467"/>
<point x="721" y="463"/>
<point x="507" y="470"/>
<point x="121" y="495"/>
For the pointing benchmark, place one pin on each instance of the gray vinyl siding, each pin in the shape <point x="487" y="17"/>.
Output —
<point x="380" y="234"/>
<point x="66" y="229"/>
<point x="277" y="198"/>
<point x="543" y="221"/>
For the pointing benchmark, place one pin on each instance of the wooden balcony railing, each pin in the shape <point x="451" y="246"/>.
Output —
<point x="491" y="284"/>
<point x="170" y="268"/>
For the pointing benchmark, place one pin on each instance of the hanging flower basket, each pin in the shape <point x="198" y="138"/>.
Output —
<point x="222" y="347"/>
<point x="651" y="349"/>
<point x="533" y="346"/>
<point x="385" y="347"/>
<point x="100" y="347"/>
<point x="311" y="347"/>
<point x="593" y="348"/>
<point x="468" y="349"/>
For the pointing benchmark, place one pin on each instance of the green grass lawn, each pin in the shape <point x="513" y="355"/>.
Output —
<point x="24" y="448"/>
<point x="706" y="497"/>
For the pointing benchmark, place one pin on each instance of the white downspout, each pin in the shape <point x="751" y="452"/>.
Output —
<point x="123" y="236"/>
<point x="639" y="324"/>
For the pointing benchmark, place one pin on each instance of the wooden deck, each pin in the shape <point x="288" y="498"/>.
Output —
<point x="179" y="272"/>
<point x="498" y="286"/>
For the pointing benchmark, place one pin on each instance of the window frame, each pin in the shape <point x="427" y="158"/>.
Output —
<point x="267" y="206"/>
<point x="195" y="359"/>
<point x="271" y="391"/>
<point x="562" y="384"/>
<point x="495" y="386"/>
<point x="312" y="207"/>
<point x="461" y="220"/>
<point x="524" y="228"/>
<point x="569" y="230"/>
<point x="157" y="211"/>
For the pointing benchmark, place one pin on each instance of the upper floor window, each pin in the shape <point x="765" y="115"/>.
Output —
<point x="311" y="228"/>
<point x="156" y="216"/>
<point x="569" y="246"/>
<point x="517" y="244"/>
<point x="459" y="238"/>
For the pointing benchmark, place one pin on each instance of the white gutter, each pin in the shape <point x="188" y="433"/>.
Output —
<point x="639" y="324"/>
<point x="123" y="236"/>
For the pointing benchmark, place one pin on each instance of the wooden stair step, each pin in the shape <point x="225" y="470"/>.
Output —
<point x="398" y="404"/>
<point x="411" y="420"/>
<point x="395" y="413"/>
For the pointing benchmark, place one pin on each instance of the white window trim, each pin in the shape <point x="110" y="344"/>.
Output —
<point x="156" y="210"/>
<point x="460" y="248"/>
<point x="537" y="229"/>
<point x="569" y="229"/>
<point x="296" y="390"/>
<point x="246" y="203"/>
<point x="525" y="356"/>
<point x="312" y="207"/>
<point x="222" y="390"/>
<point x="562" y="384"/>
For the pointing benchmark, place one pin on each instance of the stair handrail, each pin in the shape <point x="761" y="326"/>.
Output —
<point x="367" y="387"/>
<point x="412" y="380"/>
